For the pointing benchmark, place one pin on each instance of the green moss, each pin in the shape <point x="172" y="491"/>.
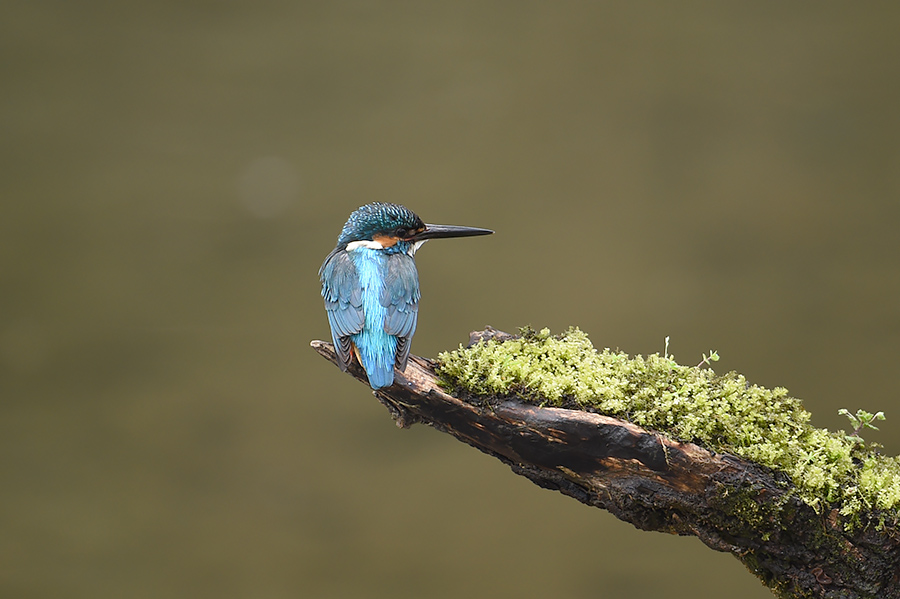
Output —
<point x="724" y="413"/>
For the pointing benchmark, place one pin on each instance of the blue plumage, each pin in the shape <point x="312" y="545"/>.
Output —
<point x="371" y="287"/>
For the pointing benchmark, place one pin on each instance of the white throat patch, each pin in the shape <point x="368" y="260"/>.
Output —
<point x="374" y="245"/>
<point x="366" y="243"/>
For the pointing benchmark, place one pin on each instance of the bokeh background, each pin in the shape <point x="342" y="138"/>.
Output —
<point x="727" y="174"/>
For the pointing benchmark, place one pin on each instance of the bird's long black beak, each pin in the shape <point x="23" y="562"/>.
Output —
<point x="439" y="231"/>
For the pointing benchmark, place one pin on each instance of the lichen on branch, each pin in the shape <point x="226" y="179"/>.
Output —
<point x="724" y="413"/>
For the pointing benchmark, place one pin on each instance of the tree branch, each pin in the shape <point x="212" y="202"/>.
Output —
<point x="656" y="483"/>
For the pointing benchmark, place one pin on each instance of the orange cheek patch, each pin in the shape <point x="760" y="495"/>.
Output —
<point x="386" y="241"/>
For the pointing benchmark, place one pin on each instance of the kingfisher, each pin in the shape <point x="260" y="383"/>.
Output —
<point x="371" y="286"/>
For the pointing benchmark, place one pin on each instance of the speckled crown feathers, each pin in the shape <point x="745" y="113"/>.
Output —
<point x="377" y="217"/>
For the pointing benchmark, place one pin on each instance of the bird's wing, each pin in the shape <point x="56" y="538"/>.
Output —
<point x="343" y="302"/>
<point x="401" y="298"/>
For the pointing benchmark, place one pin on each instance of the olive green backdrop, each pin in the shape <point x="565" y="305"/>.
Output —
<point x="724" y="173"/>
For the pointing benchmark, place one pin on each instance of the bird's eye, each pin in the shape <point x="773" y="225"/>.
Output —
<point x="401" y="232"/>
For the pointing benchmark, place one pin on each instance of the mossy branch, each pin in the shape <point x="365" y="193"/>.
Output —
<point x="797" y="547"/>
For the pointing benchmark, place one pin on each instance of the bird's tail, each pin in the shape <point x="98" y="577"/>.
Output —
<point x="379" y="365"/>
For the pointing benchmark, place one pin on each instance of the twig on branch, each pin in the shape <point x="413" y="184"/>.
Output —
<point x="660" y="484"/>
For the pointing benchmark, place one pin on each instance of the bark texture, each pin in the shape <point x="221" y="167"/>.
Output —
<point x="656" y="483"/>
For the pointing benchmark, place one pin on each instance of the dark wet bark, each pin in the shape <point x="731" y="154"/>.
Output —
<point x="656" y="483"/>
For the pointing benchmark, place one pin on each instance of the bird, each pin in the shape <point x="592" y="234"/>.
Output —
<point x="371" y="286"/>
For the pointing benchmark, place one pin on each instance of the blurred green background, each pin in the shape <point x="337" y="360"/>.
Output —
<point x="727" y="174"/>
